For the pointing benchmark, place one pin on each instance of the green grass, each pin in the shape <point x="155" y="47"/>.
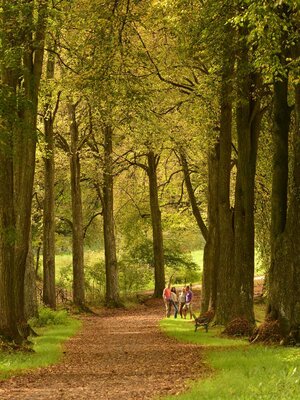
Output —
<point x="47" y="347"/>
<point x="62" y="260"/>
<point x="241" y="371"/>
<point x="183" y="330"/>
<point x="197" y="256"/>
<point x="90" y="257"/>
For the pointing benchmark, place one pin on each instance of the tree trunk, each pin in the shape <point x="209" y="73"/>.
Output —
<point x="192" y="197"/>
<point x="158" y="248"/>
<point x="8" y="319"/>
<point x="284" y="273"/>
<point x="112" y="288"/>
<point x="225" y="295"/>
<point x="18" y="154"/>
<point x="210" y="234"/>
<point x="49" y="295"/>
<point x="77" y="217"/>
<point x="211" y="249"/>
<point x="281" y="127"/>
<point x="248" y="126"/>
<point x="30" y="300"/>
<point x="290" y="290"/>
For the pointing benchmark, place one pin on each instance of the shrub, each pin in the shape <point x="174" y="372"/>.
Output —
<point x="49" y="317"/>
<point x="134" y="276"/>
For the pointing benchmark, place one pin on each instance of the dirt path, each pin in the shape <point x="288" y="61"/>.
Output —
<point x="119" y="355"/>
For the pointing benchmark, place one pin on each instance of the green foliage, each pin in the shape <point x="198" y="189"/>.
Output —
<point x="134" y="277"/>
<point x="272" y="34"/>
<point x="65" y="276"/>
<point x="182" y="269"/>
<point x="95" y="281"/>
<point x="47" y="316"/>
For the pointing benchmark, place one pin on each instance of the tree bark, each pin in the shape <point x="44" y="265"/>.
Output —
<point x="30" y="299"/>
<point x="8" y="318"/>
<point x="276" y="276"/>
<point x="112" y="298"/>
<point x="158" y="248"/>
<point x="18" y="154"/>
<point x="192" y="197"/>
<point x="284" y="273"/>
<point x="211" y="249"/>
<point x="49" y="295"/>
<point x="248" y="127"/>
<point x="225" y="295"/>
<point x="77" y="216"/>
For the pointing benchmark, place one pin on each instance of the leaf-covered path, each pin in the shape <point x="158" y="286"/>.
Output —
<point x="116" y="355"/>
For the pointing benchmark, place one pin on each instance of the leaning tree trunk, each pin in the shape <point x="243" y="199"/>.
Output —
<point x="158" y="248"/>
<point x="112" y="298"/>
<point x="210" y="234"/>
<point x="192" y="197"/>
<point x="77" y="217"/>
<point x="49" y="295"/>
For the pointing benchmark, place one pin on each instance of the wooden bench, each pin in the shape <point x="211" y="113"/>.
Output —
<point x="204" y="320"/>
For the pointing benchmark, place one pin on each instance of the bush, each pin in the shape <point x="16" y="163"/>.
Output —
<point x="95" y="281"/>
<point x="134" y="276"/>
<point x="49" y="317"/>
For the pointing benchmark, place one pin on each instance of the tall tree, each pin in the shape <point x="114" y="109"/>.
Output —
<point x="248" y="128"/>
<point x="112" y="287"/>
<point x="23" y="35"/>
<point x="157" y="234"/>
<point x="73" y="149"/>
<point x="285" y="265"/>
<point x="50" y="111"/>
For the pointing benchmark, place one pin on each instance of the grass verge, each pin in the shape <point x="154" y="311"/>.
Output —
<point x="242" y="372"/>
<point x="47" y="349"/>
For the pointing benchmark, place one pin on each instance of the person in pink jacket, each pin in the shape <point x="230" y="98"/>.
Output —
<point x="167" y="299"/>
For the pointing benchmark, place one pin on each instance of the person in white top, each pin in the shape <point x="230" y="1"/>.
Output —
<point x="181" y="299"/>
<point x="174" y="301"/>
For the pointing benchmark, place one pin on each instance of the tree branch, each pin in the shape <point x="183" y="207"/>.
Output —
<point x="187" y="88"/>
<point x="90" y="221"/>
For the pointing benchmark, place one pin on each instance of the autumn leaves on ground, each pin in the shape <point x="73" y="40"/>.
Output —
<point x="117" y="354"/>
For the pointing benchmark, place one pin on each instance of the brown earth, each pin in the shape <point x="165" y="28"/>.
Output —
<point x="119" y="354"/>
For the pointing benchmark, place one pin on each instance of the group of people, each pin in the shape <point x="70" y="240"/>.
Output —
<point x="181" y="303"/>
